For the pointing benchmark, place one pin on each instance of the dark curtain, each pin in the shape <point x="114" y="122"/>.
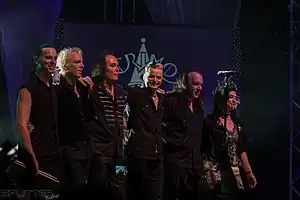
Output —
<point x="25" y="25"/>
<point x="5" y="116"/>
<point x="216" y="13"/>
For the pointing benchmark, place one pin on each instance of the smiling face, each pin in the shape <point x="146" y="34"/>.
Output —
<point x="194" y="84"/>
<point x="47" y="59"/>
<point x="155" y="77"/>
<point x="232" y="102"/>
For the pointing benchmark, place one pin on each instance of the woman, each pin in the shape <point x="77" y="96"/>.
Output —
<point x="226" y="163"/>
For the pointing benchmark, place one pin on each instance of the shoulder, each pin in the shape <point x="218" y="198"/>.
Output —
<point x="133" y="91"/>
<point x="24" y="95"/>
<point x="30" y="84"/>
<point x="209" y="120"/>
<point x="174" y="95"/>
<point x="119" y="87"/>
<point x="237" y="119"/>
<point x="209" y="117"/>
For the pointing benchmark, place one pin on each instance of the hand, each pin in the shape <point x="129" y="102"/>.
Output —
<point x="30" y="127"/>
<point x="35" y="165"/>
<point x="89" y="81"/>
<point x="251" y="180"/>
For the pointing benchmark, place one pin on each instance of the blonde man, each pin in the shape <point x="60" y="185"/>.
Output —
<point x="74" y="111"/>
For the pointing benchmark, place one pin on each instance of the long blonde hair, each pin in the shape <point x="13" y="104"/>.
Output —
<point x="180" y="83"/>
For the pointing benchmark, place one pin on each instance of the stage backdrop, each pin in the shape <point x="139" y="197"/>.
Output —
<point x="176" y="48"/>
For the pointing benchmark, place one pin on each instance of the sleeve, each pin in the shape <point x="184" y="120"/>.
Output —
<point x="167" y="105"/>
<point x="206" y="145"/>
<point x="166" y="119"/>
<point x="88" y="105"/>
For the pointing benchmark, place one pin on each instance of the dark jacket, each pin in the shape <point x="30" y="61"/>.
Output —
<point x="145" y="121"/>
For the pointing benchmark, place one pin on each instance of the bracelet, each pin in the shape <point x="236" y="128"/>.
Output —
<point x="248" y="173"/>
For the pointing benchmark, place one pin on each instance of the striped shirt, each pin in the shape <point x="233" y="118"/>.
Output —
<point x="107" y="130"/>
<point x="113" y="108"/>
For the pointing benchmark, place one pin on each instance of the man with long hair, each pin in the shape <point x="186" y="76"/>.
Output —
<point x="36" y="120"/>
<point x="182" y="126"/>
<point x="145" y="167"/>
<point x="107" y="128"/>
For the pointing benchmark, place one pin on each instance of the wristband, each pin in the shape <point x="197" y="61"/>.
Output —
<point x="248" y="173"/>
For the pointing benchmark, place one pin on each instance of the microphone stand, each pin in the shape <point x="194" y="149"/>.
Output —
<point x="55" y="83"/>
<point x="226" y="82"/>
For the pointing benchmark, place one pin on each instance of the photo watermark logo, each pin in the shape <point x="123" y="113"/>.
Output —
<point x="27" y="194"/>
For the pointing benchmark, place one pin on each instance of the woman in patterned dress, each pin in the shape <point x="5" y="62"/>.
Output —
<point x="226" y="163"/>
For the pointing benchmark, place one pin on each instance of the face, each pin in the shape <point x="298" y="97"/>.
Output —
<point x="155" y="78"/>
<point x="112" y="68"/>
<point x="232" y="101"/>
<point x="75" y="64"/>
<point x="194" y="84"/>
<point x="47" y="59"/>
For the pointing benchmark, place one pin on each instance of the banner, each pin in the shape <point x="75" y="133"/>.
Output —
<point x="176" y="48"/>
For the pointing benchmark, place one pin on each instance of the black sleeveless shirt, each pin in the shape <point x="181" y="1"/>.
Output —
<point x="41" y="117"/>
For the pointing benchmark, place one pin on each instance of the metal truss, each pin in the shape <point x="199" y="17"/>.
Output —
<point x="295" y="100"/>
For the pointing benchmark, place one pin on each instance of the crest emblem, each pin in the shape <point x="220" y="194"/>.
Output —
<point x="140" y="61"/>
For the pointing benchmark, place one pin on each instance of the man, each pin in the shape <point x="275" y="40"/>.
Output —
<point x="74" y="111"/>
<point x="145" y="165"/>
<point x="107" y="128"/>
<point x="182" y="124"/>
<point x="35" y="110"/>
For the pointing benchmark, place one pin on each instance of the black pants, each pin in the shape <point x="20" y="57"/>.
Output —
<point x="103" y="180"/>
<point x="75" y="164"/>
<point x="145" y="179"/>
<point x="181" y="183"/>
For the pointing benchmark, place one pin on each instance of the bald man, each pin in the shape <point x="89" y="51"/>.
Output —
<point x="182" y="125"/>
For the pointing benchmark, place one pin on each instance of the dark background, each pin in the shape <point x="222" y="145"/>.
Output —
<point x="264" y="81"/>
<point x="265" y="92"/>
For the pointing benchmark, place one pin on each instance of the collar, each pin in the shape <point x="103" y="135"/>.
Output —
<point x="159" y="91"/>
<point x="184" y="95"/>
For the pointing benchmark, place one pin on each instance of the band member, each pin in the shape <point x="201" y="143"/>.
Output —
<point x="74" y="112"/>
<point x="182" y="125"/>
<point x="107" y="128"/>
<point x="36" y="121"/>
<point x="226" y="160"/>
<point x="145" y="167"/>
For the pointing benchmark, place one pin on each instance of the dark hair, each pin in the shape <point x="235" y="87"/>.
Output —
<point x="100" y="64"/>
<point x="220" y="102"/>
<point x="38" y="52"/>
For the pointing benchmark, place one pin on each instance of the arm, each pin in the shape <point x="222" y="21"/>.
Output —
<point x="205" y="143"/>
<point x="245" y="163"/>
<point x="243" y="150"/>
<point x="126" y="116"/>
<point x="23" y="113"/>
<point x="167" y="112"/>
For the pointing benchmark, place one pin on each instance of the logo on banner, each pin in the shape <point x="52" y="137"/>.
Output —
<point x="139" y="61"/>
